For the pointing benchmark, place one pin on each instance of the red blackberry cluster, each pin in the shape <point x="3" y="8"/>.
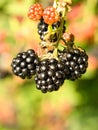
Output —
<point x="75" y="61"/>
<point x="49" y="75"/>
<point x="49" y="14"/>
<point x="24" y="64"/>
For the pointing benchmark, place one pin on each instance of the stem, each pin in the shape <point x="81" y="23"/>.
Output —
<point x="61" y="27"/>
<point x="55" y="3"/>
<point x="68" y="44"/>
<point x="60" y="31"/>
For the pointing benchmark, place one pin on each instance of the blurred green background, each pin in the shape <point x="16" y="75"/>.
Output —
<point x="22" y="106"/>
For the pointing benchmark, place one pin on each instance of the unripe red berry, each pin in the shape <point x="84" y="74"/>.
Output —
<point x="68" y="37"/>
<point x="50" y="15"/>
<point x="35" y="12"/>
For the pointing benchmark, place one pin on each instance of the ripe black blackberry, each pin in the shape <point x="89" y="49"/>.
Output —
<point x="24" y="64"/>
<point x="75" y="61"/>
<point x="43" y="30"/>
<point x="49" y="75"/>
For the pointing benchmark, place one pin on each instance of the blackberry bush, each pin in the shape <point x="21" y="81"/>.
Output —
<point x="54" y="66"/>
<point x="24" y="64"/>
<point x="49" y="75"/>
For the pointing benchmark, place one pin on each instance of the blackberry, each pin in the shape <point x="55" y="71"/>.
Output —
<point x="24" y="64"/>
<point x="35" y="12"/>
<point x="49" y="75"/>
<point x="50" y="15"/>
<point x="43" y="30"/>
<point x="75" y="61"/>
<point x="68" y="37"/>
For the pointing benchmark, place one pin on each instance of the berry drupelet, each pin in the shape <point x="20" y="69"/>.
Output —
<point x="75" y="61"/>
<point x="24" y="64"/>
<point x="49" y="75"/>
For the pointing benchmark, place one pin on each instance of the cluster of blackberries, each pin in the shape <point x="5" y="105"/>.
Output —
<point x="43" y="30"/>
<point x="51" y="72"/>
<point x="49" y="75"/>
<point x="24" y="64"/>
<point x="75" y="61"/>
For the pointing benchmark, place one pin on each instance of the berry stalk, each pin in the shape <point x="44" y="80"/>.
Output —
<point x="60" y="31"/>
<point x="55" y="3"/>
